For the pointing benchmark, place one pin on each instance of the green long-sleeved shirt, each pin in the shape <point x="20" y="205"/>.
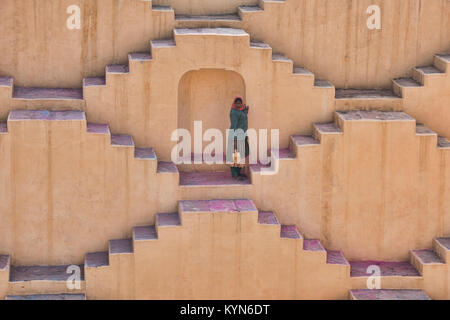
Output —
<point x="239" y="120"/>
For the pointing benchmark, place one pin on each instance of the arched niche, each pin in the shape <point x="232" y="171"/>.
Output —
<point x="207" y="95"/>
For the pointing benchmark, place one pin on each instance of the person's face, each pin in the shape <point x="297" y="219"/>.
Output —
<point x="238" y="102"/>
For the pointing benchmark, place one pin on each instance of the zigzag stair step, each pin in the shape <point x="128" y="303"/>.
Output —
<point x="281" y="58"/>
<point x="259" y="45"/>
<point x="218" y="178"/>
<point x="336" y="257"/>
<point x="302" y="71"/>
<point x="210" y="31"/>
<point x="167" y="167"/>
<point x="235" y="205"/>
<point x="248" y="9"/>
<point x="305" y="140"/>
<point x="41" y="273"/>
<point x="161" y="8"/>
<point x="426" y="257"/>
<point x="3" y="127"/>
<point x="61" y="296"/>
<point x="5" y="261"/>
<point x="326" y="128"/>
<point x="98" y="128"/>
<point x="162" y="43"/>
<point x="6" y="81"/>
<point x="290" y="232"/>
<point x="429" y="70"/>
<point x="444" y="242"/>
<point x="122" y="140"/>
<point x="117" y="69"/>
<point x="208" y="18"/>
<point x="94" y="82"/>
<point x="388" y="269"/>
<point x="267" y="217"/>
<point x="27" y="93"/>
<point x="388" y="294"/>
<point x="168" y="220"/>
<point x="145" y="233"/>
<point x="365" y="94"/>
<point x="145" y="153"/>
<point x="406" y="83"/>
<point x="140" y="56"/>
<point x="121" y="246"/>
<point x="422" y="130"/>
<point x="443" y="142"/>
<point x="313" y="245"/>
<point x="96" y="259"/>
<point x="321" y="83"/>
<point x="21" y="115"/>
<point x="374" y="115"/>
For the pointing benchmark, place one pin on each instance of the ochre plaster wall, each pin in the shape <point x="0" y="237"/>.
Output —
<point x="328" y="37"/>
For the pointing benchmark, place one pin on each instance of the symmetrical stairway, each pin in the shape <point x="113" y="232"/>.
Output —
<point x="138" y="259"/>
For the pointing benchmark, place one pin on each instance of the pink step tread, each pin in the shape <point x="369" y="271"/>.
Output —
<point x="286" y="154"/>
<point x="321" y="83"/>
<point x="428" y="257"/>
<point x="6" y="81"/>
<point x="4" y="262"/>
<point x="117" y="68"/>
<point x="388" y="269"/>
<point x="210" y="179"/>
<point x="312" y="245"/>
<point x="267" y="217"/>
<point x="122" y="140"/>
<point x="290" y="232"/>
<point x="429" y="70"/>
<point x="407" y="82"/>
<point x="445" y="242"/>
<point x="205" y="18"/>
<point x="47" y="94"/>
<point x="140" y="56"/>
<point x="97" y="259"/>
<point x="3" y="127"/>
<point x="366" y="294"/>
<point x="423" y="130"/>
<point x="327" y="127"/>
<point x="238" y="205"/>
<point x="365" y="94"/>
<point x="145" y="233"/>
<point x="98" y="128"/>
<point x="443" y="142"/>
<point x="373" y="115"/>
<point x="304" y="140"/>
<point x="21" y="115"/>
<point x="168" y="219"/>
<point x="167" y="167"/>
<point x="336" y="257"/>
<point x="94" y="81"/>
<point x="62" y="296"/>
<point x="145" y="153"/>
<point x="121" y="246"/>
<point x="41" y="273"/>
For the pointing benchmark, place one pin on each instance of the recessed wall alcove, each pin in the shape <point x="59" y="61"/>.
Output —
<point x="207" y="95"/>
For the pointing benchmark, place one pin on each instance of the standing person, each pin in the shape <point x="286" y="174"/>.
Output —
<point x="238" y="147"/>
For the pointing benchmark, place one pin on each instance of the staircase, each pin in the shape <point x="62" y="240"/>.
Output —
<point x="392" y="99"/>
<point x="159" y="243"/>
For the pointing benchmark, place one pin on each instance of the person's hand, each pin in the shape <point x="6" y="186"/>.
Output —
<point x="247" y="108"/>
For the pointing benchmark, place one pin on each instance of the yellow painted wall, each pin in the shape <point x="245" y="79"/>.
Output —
<point x="329" y="37"/>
